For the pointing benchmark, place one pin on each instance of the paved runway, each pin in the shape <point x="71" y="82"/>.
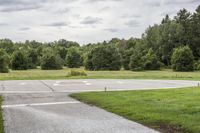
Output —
<point x="34" y="106"/>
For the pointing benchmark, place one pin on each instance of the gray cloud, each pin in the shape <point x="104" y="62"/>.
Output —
<point x="91" y="20"/>
<point x="57" y="24"/>
<point x="65" y="10"/>
<point x="19" y="5"/>
<point x="24" y="28"/>
<point x="153" y="3"/>
<point x="3" y="24"/>
<point x="133" y="23"/>
<point x="112" y="30"/>
<point x="169" y="2"/>
<point x="19" y="8"/>
<point x="131" y="16"/>
<point x="104" y="9"/>
<point x="194" y="1"/>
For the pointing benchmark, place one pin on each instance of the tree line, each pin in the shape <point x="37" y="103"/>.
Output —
<point x="174" y="43"/>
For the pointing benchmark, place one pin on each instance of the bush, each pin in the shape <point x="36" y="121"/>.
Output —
<point x="51" y="61"/>
<point x="182" y="59"/>
<point x="103" y="57"/>
<point x="76" y="73"/>
<point x="4" y="62"/>
<point x="19" y="61"/>
<point x="73" y="58"/>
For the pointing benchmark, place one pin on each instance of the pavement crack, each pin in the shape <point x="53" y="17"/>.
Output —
<point x="48" y="86"/>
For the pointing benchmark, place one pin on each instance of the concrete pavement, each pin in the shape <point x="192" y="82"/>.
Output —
<point x="44" y="106"/>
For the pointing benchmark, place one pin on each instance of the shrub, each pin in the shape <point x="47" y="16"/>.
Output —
<point x="104" y="57"/>
<point x="76" y="73"/>
<point x="73" y="58"/>
<point x="19" y="61"/>
<point x="4" y="62"/>
<point x="51" y="61"/>
<point x="182" y="59"/>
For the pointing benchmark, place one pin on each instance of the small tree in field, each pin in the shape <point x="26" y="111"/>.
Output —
<point x="51" y="61"/>
<point x="73" y="58"/>
<point x="4" y="61"/>
<point x="182" y="59"/>
<point x="19" y="61"/>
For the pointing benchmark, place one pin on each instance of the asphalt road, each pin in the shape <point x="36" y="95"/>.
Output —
<point x="44" y="106"/>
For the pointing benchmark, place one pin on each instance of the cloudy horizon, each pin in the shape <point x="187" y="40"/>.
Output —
<point x="84" y="21"/>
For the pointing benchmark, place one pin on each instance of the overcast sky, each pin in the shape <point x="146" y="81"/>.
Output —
<point x="83" y="21"/>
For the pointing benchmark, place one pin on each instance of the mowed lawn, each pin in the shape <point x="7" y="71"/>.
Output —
<point x="62" y="74"/>
<point x="172" y="110"/>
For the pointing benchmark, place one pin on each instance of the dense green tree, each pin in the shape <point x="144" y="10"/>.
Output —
<point x="126" y="56"/>
<point x="7" y="45"/>
<point x="164" y="38"/>
<point x="195" y="33"/>
<point x="51" y="61"/>
<point x="19" y="60"/>
<point x="182" y="59"/>
<point x="136" y="61"/>
<point x="88" y="61"/>
<point x="151" y="61"/>
<point x="4" y="62"/>
<point x="125" y="49"/>
<point x="183" y="18"/>
<point x="62" y="51"/>
<point x="170" y="33"/>
<point x="166" y="19"/>
<point x="103" y="57"/>
<point x="73" y="58"/>
<point x="67" y="44"/>
<point x="33" y="60"/>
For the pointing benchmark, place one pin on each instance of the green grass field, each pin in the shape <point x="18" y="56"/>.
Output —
<point x="172" y="110"/>
<point x="1" y="117"/>
<point x="62" y="74"/>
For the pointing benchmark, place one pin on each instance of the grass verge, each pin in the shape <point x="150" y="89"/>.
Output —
<point x="37" y="74"/>
<point x="171" y="110"/>
<point x="1" y="117"/>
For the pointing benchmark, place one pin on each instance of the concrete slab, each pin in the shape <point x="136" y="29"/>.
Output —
<point x="70" y="118"/>
<point x="30" y="98"/>
<point x="25" y="85"/>
<point x="115" y="84"/>
<point x="45" y="107"/>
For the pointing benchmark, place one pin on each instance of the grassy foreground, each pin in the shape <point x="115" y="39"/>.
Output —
<point x="62" y="74"/>
<point x="172" y="110"/>
<point x="1" y="117"/>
